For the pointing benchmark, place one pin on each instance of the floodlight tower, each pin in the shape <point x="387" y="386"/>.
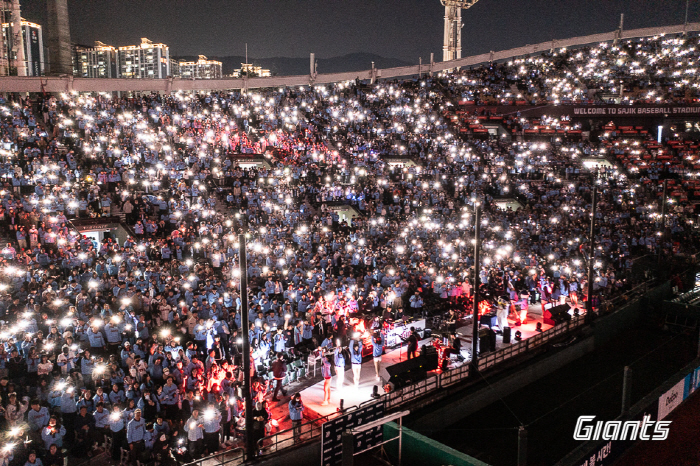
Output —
<point x="452" y="44"/>
<point x="19" y="62"/>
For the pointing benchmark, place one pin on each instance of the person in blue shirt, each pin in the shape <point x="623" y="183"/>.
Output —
<point x="53" y="433"/>
<point x="149" y="438"/>
<point x="101" y="416"/>
<point x="33" y="460"/>
<point x="193" y="426"/>
<point x="97" y="340"/>
<point x="114" y="334"/>
<point x="279" y="341"/>
<point x="161" y="427"/>
<point x="69" y="410"/>
<point x="86" y="366"/>
<point x="211" y="420"/>
<point x="55" y="394"/>
<point x="356" y="359"/>
<point x="327" y="343"/>
<point x="170" y="398"/>
<point x="307" y="332"/>
<point x="117" y="426"/>
<point x="142" y="327"/>
<point x="86" y="400"/>
<point x="135" y="433"/>
<point x="296" y="414"/>
<point x="377" y="351"/>
<point x="125" y="353"/>
<point x="339" y="361"/>
<point x="37" y="417"/>
<point x="200" y="334"/>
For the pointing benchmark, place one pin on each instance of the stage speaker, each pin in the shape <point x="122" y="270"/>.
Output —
<point x="506" y="335"/>
<point x="484" y="341"/>
<point x="556" y="314"/>
<point x="407" y="372"/>
<point x="430" y="355"/>
<point x="492" y="339"/>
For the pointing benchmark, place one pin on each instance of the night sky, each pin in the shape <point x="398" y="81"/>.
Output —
<point x="405" y="29"/>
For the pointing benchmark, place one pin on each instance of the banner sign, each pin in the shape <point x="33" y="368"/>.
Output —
<point x="586" y="111"/>
<point x="693" y="382"/>
<point x="400" y="331"/>
<point x="635" y="110"/>
<point x="671" y="399"/>
<point x="35" y="64"/>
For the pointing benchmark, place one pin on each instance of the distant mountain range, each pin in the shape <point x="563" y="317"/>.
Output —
<point x="285" y="66"/>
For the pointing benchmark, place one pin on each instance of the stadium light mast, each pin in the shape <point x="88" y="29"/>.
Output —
<point x="250" y="447"/>
<point x="20" y="62"/>
<point x="452" y="43"/>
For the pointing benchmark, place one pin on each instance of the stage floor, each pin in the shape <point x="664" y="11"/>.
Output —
<point x="352" y="396"/>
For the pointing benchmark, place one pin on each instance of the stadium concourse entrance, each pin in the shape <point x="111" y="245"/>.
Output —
<point x="101" y="228"/>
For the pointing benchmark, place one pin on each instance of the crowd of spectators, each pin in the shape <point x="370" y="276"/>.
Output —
<point x="139" y="339"/>
<point x="659" y="69"/>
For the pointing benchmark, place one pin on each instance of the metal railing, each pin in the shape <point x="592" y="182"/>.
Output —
<point x="401" y="396"/>
<point x="232" y="457"/>
<point x="296" y="435"/>
<point x="491" y="359"/>
<point x="449" y="378"/>
<point x="631" y="294"/>
<point x="487" y="360"/>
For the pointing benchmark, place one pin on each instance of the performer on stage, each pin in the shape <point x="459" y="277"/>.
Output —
<point x="451" y="321"/>
<point x="339" y="360"/>
<point x="502" y="312"/>
<point x="573" y="292"/>
<point x="356" y="359"/>
<point x="377" y="351"/>
<point x="412" y="343"/>
<point x="326" y="373"/>
<point x="524" y="304"/>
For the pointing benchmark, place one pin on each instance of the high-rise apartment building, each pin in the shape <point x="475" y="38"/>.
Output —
<point x="200" y="69"/>
<point x="33" y="44"/>
<point x="147" y="60"/>
<point x="249" y="69"/>
<point x="174" y="68"/>
<point x="99" y="61"/>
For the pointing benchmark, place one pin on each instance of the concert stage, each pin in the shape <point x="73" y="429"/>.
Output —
<point x="313" y="395"/>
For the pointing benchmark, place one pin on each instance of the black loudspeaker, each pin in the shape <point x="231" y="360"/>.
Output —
<point x="430" y="355"/>
<point x="506" y="335"/>
<point x="556" y="315"/>
<point x="484" y="341"/>
<point x="407" y="372"/>
<point x="492" y="339"/>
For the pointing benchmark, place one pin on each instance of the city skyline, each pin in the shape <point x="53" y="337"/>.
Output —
<point x="403" y="29"/>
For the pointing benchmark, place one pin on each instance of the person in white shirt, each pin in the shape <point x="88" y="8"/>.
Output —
<point x="195" y="434"/>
